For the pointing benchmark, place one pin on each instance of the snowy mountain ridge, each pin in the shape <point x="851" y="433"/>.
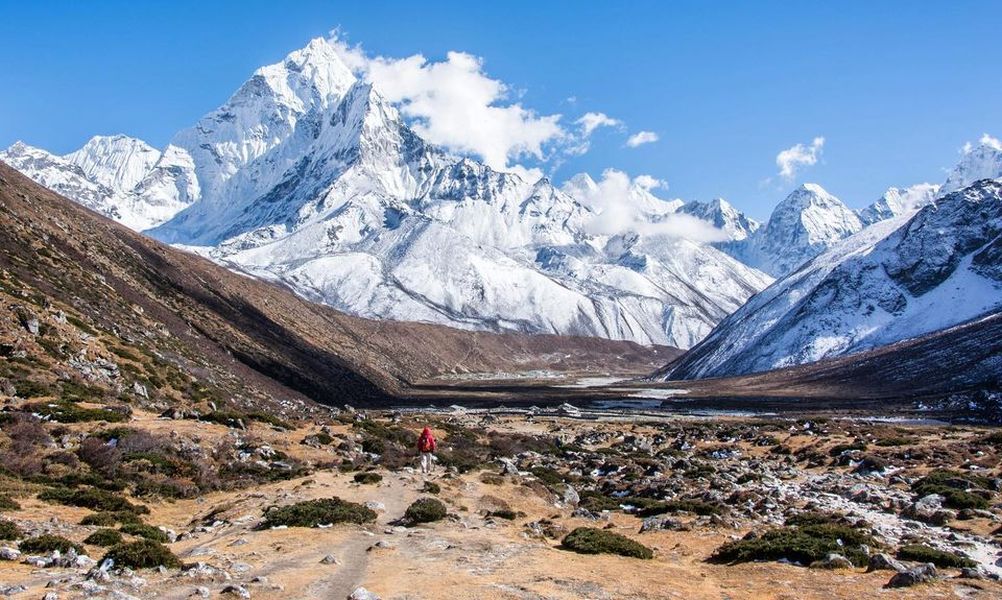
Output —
<point x="900" y="278"/>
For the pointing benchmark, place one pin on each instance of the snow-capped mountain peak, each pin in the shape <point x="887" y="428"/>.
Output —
<point x="115" y="161"/>
<point x="722" y="215"/>
<point x="899" y="201"/>
<point x="981" y="161"/>
<point x="806" y="223"/>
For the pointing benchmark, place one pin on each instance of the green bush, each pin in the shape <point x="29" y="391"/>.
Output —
<point x="311" y="513"/>
<point x="104" y="537"/>
<point x="107" y="519"/>
<point x="550" y="477"/>
<point x="597" y="502"/>
<point x="840" y="448"/>
<point x="891" y="442"/>
<point x="64" y="411"/>
<point x="588" y="540"/>
<point x="674" y="506"/>
<point x="142" y="530"/>
<point x="142" y="554"/>
<point x="32" y="389"/>
<point x="368" y="477"/>
<point x="45" y="544"/>
<point x="954" y="486"/>
<point x="506" y="514"/>
<point x="425" y="510"/>
<point x="802" y="544"/>
<point x="430" y="487"/>
<point x="814" y="518"/>
<point x="94" y="499"/>
<point x="8" y="503"/>
<point x="925" y="554"/>
<point x="10" y="531"/>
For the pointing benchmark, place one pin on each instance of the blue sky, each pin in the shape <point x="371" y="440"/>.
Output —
<point x="895" y="88"/>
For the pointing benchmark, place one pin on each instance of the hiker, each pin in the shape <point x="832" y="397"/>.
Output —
<point x="426" y="446"/>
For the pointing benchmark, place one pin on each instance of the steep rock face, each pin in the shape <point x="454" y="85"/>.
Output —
<point x="802" y="226"/>
<point x="898" y="279"/>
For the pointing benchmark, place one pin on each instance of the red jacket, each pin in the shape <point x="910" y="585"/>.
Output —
<point x="426" y="442"/>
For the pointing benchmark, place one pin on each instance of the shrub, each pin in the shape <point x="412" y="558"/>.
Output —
<point x="107" y="519"/>
<point x="425" y="510"/>
<point x="104" y="537"/>
<point x="506" y="514"/>
<point x="373" y="445"/>
<point x="10" y="531"/>
<point x="954" y="486"/>
<point x="891" y="442"/>
<point x="597" y="502"/>
<point x="8" y="503"/>
<point x="814" y="518"/>
<point x="925" y="554"/>
<point x="311" y="513"/>
<point x="321" y="438"/>
<point x="32" y="389"/>
<point x="270" y="419"/>
<point x="368" y="477"/>
<point x="45" y="544"/>
<point x="550" y="477"/>
<point x="673" y="506"/>
<point x="588" y="540"/>
<point x="94" y="499"/>
<point x="64" y="411"/>
<point x="840" y="448"/>
<point x="802" y="544"/>
<point x="145" y="531"/>
<point x="430" y="487"/>
<point x="142" y="554"/>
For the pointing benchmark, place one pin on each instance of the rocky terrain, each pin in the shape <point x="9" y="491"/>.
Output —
<point x="728" y="507"/>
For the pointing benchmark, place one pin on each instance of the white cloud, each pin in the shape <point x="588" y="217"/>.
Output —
<point x="986" y="140"/>
<point x="791" y="159"/>
<point x="647" y="182"/>
<point x="642" y="137"/>
<point x="455" y="104"/>
<point x="622" y="204"/>
<point x="593" y="120"/>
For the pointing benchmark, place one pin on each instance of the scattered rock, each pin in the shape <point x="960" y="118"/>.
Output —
<point x="832" y="561"/>
<point x="362" y="594"/>
<point x="885" y="562"/>
<point x="330" y="559"/>
<point x="237" y="591"/>
<point x="920" y="574"/>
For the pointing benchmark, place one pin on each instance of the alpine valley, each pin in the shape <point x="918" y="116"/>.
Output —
<point x="216" y="356"/>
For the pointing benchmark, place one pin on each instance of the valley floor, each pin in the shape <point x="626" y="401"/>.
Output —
<point x="784" y="467"/>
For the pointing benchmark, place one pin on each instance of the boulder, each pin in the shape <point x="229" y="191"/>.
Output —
<point x="885" y="562"/>
<point x="920" y="574"/>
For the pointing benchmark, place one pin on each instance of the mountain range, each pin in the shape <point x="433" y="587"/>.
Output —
<point x="306" y="176"/>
